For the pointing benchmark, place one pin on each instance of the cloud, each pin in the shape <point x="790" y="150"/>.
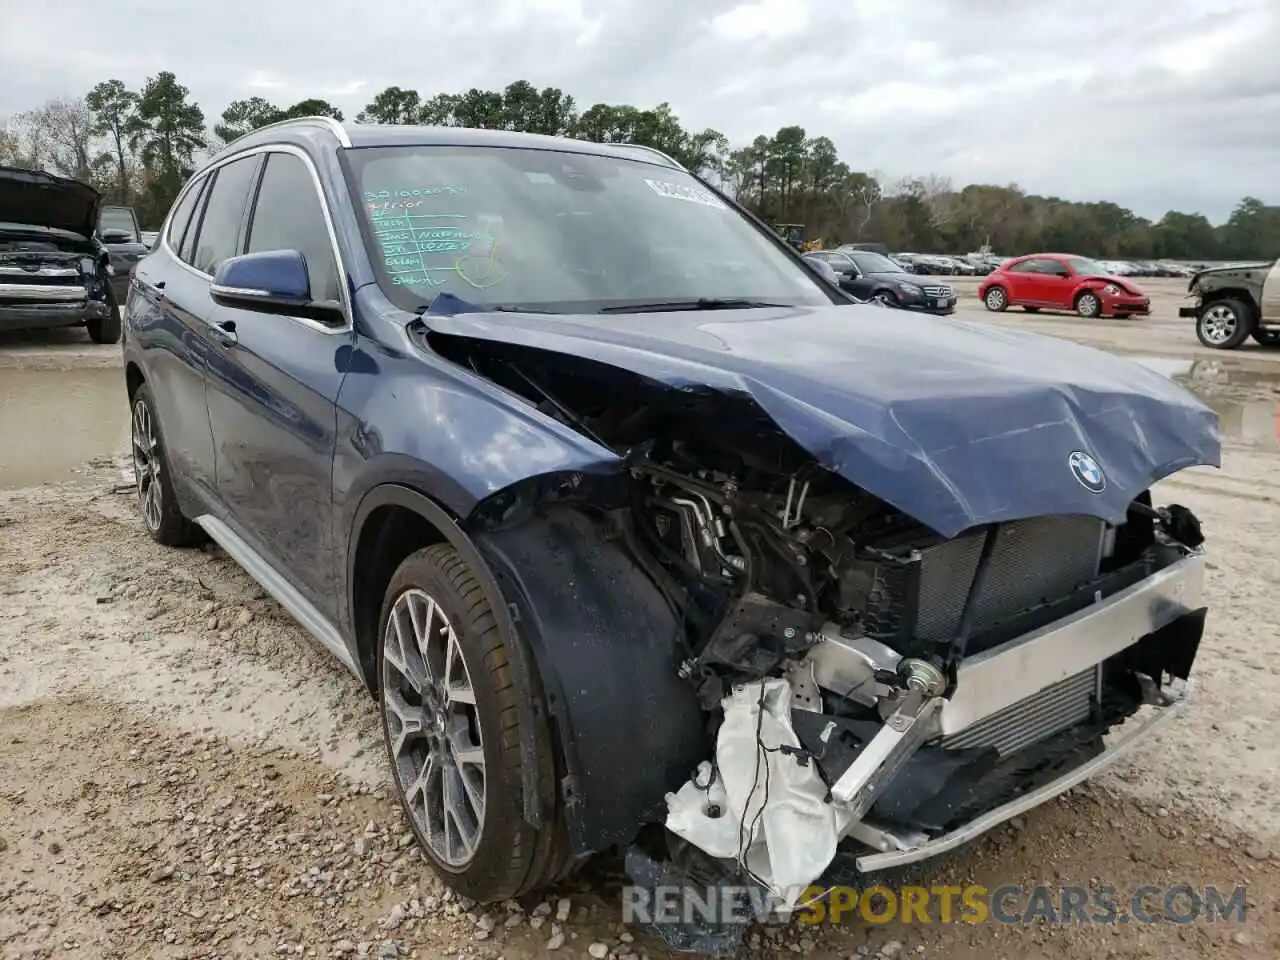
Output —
<point x="1150" y="104"/>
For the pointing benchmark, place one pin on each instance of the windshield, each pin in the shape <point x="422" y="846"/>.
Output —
<point x="559" y="232"/>
<point x="874" y="263"/>
<point x="1087" y="268"/>
<point x="119" y="219"/>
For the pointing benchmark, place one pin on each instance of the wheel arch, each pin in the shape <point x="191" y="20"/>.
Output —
<point x="133" y="378"/>
<point x="392" y="521"/>
<point x="1242" y="294"/>
<point x="594" y="649"/>
<point x="608" y="649"/>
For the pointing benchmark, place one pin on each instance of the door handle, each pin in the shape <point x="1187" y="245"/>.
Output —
<point x="226" y="331"/>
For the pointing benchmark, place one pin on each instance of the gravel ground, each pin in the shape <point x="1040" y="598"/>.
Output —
<point x="183" y="774"/>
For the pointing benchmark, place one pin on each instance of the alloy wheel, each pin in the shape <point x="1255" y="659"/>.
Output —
<point x="146" y="466"/>
<point x="1088" y="305"/>
<point x="995" y="298"/>
<point x="433" y="728"/>
<point x="1218" y="324"/>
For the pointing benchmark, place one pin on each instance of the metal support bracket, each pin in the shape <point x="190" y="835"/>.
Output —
<point x="903" y="732"/>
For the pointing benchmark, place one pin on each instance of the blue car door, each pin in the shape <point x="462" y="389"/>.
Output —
<point x="169" y="308"/>
<point x="272" y="385"/>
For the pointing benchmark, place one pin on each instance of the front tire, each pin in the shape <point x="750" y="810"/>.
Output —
<point x="153" y="477"/>
<point x="1224" y="324"/>
<point x="1088" y="305"/>
<point x="106" y="330"/>
<point x="451" y="722"/>
<point x="996" y="299"/>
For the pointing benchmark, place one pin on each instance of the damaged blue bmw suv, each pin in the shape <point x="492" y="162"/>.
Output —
<point x="569" y="459"/>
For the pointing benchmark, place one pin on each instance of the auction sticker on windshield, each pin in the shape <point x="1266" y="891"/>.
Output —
<point x="681" y="191"/>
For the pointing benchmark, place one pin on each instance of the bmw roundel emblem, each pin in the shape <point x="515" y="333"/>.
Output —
<point x="1086" y="470"/>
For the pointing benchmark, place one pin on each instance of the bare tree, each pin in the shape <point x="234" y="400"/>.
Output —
<point x="69" y="128"/>
<point x="25" y="142"/>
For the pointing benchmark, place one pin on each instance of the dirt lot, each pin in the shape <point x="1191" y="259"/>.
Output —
<point x="183" y="774"/>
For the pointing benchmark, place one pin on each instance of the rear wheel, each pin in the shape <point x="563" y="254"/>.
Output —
<point x="1224" y="324"/>
<point x="156" y="500"/>
<point x="996" y="299"/>
<point x="451" y="721"/>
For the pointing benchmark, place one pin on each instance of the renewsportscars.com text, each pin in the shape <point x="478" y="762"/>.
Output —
<point x="974" y="904"/>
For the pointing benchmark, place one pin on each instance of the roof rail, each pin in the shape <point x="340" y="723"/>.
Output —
<point x="328" y="122"/>
<point x="653" y="150"/>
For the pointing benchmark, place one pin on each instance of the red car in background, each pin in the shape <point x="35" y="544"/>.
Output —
<point x="1061" y="281"/>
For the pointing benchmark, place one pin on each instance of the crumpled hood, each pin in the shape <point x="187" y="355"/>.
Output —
<point x="1233" y="269"/>
<point x="1124" y="283"/>
<point x="42" y="200"/>
<point x="955" y="424"/>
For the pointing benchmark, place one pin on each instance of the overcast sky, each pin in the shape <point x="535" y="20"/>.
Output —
<point x="1150" y="103"/>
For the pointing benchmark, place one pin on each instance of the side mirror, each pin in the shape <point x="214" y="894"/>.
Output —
<point x="273" y="281"/>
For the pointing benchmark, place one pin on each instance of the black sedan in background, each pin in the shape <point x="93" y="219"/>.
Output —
<point x="867" y="276"/>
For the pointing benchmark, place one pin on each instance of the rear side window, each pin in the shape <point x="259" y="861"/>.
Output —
<point x="182" y="215"/>
<point x="288" y="216"/>
<point x="188" y="250"/>
<point x="1026" y="266"/>
<point x="219" y="236"/>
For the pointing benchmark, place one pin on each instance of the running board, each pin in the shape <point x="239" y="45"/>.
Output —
<point x="270" y="579"/>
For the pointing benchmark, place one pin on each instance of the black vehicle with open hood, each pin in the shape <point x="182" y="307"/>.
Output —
<point x="54" y="270"/>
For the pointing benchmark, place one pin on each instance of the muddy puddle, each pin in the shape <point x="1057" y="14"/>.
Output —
<point x="54" y="422"/>
<point x="1246" y="397"/>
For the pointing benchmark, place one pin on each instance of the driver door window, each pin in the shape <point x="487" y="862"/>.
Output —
<point x="1048" y="284"/>
<point x="288" y="216"/>
<point x="845" y="265"/>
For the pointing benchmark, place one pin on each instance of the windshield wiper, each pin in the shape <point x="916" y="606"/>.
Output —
<point x="701" y="303"/>
<point x="446" y="304"/>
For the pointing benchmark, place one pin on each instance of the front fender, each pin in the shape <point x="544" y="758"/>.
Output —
<point x="404" y="410"/>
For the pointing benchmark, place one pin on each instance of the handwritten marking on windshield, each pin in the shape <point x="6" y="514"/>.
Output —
<point x="482" y="270"/>
<point x="446" y="190"/>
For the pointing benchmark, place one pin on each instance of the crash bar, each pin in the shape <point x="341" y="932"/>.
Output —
<point x="867" y="833"/>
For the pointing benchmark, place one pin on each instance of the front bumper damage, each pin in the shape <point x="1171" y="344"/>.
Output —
<point x="1164" y="607"/>
<point x="942" y="769"/>
<point x="43" y="306"/>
